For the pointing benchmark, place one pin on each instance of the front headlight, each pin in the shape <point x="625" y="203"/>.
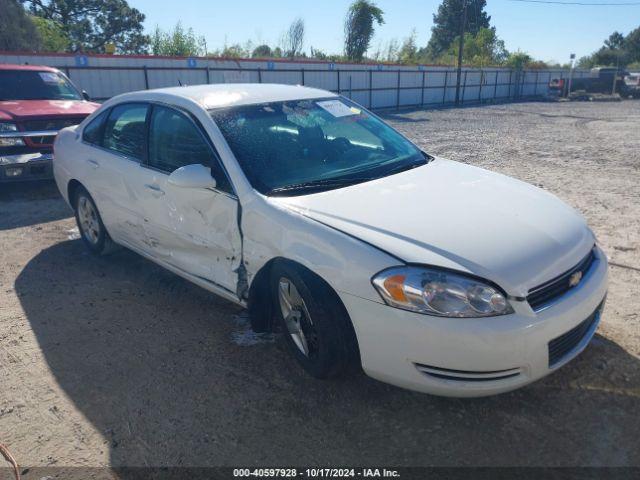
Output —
<point x="440" y="292"/>
<point x="8" y="127"/>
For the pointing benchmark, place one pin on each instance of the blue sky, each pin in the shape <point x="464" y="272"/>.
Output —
<point x="548" y="32"/>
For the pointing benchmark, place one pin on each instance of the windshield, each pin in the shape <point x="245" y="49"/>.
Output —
<point x="303" y="146"/>
<point x="33" y="85"/>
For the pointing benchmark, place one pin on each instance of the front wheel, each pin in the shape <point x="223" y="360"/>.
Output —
<point x="315" y="324"/>
<point x="92" y="230"/>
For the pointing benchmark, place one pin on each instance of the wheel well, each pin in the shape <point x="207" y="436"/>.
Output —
<point x="259" y="303"/>
<point x="261" y="309"/>
<point x="72" y="188"/>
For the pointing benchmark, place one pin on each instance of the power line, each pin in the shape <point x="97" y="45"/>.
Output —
<point x="578" y="3"/>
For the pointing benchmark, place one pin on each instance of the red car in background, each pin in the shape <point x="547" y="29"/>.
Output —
<point x="35" y="103"/>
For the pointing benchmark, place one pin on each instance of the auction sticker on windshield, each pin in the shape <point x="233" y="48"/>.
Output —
<point x="49" y="77"/>
<point x="337" y="108"/>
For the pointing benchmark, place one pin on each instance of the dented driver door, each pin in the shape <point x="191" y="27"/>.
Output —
<point x="192" y="229"/>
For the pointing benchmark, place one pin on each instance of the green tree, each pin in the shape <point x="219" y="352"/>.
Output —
<point x="391" y="52"/>
<point x="235" y="50"/>
<point x="632" y="45"/>
<point x="52" y="35"/>
<point x="447" y="24"/>
<point x="177" y="42"/>
<point x="359" y="28"/>
<point x="262" y="51"/>
<point x="318" y="54"/>
<point x="17" y="31"/>
<point x="481" y="49"/>
<point x="293" y="39"/>
<point x="617" y="50"/>
<point x="518" y="60"/>
<point x="615" y="41"/>
<point x="91" y="24"/>
<point x="408" y="53"/>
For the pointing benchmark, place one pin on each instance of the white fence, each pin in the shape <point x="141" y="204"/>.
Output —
<point x="371" y="85"/>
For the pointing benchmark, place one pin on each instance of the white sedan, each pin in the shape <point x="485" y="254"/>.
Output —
<point x="333" y="228"/>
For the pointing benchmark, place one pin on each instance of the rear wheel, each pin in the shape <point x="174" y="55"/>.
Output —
<point x="92" y="230"/>
<point x="315" y="324"/>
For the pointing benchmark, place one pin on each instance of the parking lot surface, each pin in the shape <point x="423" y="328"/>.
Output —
<point x="115" y="361"/>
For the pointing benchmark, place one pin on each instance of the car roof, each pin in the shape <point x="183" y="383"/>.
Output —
<point x="231" y="94"/>
<point x="36" y="68"/>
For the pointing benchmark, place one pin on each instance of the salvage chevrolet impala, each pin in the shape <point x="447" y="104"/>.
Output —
<point x="331" y="227"/>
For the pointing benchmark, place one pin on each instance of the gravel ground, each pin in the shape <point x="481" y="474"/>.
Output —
<point x="114" y="361"/>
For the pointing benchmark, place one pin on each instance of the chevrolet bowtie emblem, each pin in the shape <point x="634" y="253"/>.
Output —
<point x="575" y="278"/>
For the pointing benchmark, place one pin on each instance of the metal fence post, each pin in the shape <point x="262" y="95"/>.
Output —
<point x="480" y="88"/>
<point x="510" y="75"/>
<point x="464" y="87"/>
<point x="259" y="75"/>
<point x="444" y="93"/>
<point x="422" y="90"/>
<point x="146" y="78"/>
<point x="519" y="81"/>
<point x="302" y="71"/>
<point x="370" y="88"/>
<point x="495" y="86"/>
<point x="398" y="92"/>
<point x="338" y="72"/>
<point x="208" y="76"/>
<point x="535" y="90"/>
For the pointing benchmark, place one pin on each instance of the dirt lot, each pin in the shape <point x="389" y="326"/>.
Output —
<point x="114" y="361"/>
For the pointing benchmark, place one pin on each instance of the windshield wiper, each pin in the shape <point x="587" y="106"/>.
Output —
<point x="317" y="185"/>
<point x="331" y="183"/>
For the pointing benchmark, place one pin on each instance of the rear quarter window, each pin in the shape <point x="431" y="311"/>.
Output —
<point x="92" y="133"/>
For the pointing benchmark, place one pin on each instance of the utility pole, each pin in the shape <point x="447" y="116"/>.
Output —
<point x="615" y="75"/>
<point x="460" y="48"/>
<point x="572" y="59"/>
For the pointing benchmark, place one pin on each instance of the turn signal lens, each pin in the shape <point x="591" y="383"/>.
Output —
<point x="394" y="285"/>
<point x="440" y="292"/>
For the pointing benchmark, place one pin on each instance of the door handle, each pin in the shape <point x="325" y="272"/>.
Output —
<point x="93" y="163"/>
<point x="155" y="188"/>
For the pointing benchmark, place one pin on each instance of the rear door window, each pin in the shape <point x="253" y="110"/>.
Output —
<point x="124" y="131"/>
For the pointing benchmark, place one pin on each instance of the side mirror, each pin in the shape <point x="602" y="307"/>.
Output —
<point x="192" y="176"/>
<point x="85" y="95"/>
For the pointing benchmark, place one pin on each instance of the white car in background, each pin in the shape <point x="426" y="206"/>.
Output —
<point x="302" y="206"/>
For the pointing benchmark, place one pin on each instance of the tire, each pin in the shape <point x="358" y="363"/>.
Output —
<point x="92" y="231"/>
<point x="317" y="328"/>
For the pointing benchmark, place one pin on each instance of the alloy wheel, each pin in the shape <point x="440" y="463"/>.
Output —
<point x="89" y="223"/>
<point x="297" y="318"/>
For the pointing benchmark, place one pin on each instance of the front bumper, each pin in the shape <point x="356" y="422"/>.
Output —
<point x="26" y="166"/>
<point x="471" y="357"/>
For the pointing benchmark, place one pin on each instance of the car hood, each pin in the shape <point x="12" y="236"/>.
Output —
<point x="27" y="109"/>
<point x="458" y="216"/>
